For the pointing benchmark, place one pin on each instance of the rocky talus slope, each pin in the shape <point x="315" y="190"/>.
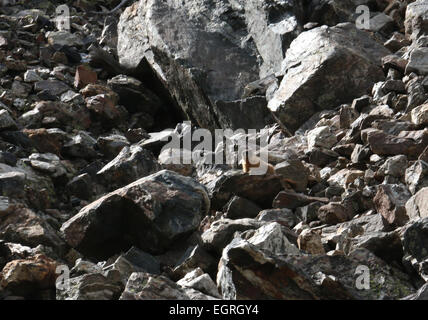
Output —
<point x="91" y="206"/>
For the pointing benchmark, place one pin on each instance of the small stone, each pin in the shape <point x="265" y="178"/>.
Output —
<point x="310" y="242"/>
<point x="390" y="201"/>
<point x="6" y="121"/>
<point x="321" y="137"/>
<point x="32" y="76"/>
<point x="84" y="76"/>
<point x="420" y="115"/>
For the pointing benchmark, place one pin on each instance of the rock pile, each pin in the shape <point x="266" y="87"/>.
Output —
<point x="91" y="206"/>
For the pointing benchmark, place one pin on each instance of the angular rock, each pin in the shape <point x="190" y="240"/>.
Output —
<point x="222" y="232"/>
<point x="111" y="145"/>
<point x="143" y="286"/>
<point x="6" y="121"/>
<point x="171" y="159"/>
<point x="12" y="184"/>
<point x="394" y="166"/>
<point x="385" y="245"/>
<point x="284" y="217"/>
<point x="94" y="286"/>
<point x="51" y="86"/>
<point x="415" y="241"/>
<point x="215" y="63"/>
<point x="294" y="173"/>
<point x="410" y="145"/>
<point x="310" y="242"/>
<point x="135" y="260"/>
<point x="238" y="208"/>
<point x="165" y="205"/>
<point x="81" y="145"/>
<point x="25" y="277"/>
<point x="334" y="213"/>
<point x="292" y="200"/>
<point x="84" y="76"/>
<point x="304" y="89"/>
<point x="245" y="272"/>
<point x="134" y="95"/>
<point x="321" y="137"/>
<point x="417" y="206"/>
<point x="131" y="164"/>
<point x="24" y="226"/>
<point x="390" y="201"/>
<point x="80" y="186"/>
<point x="259" y="189"/>
<point x="417" y="176"/>
<point x="416" y="19"/>
<point x="103" y="106"/>
<point x="418" y="61"/>
<point x="195" y="257"/>
<point x="199" y="281"/>
<point x="63" y="38"/>
<point x="273" y="25"/>
<point x="420" y="115"/>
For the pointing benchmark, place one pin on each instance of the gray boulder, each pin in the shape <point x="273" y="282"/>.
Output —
<point x="202" y="53"/>
<point x="309" y="86"/>
<point x="151" y="213"/>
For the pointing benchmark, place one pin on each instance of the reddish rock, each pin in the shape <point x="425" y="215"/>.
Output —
<point x="104" y="106"/>
<point x="390" y="202"/>
<point x="23" y="277"/>
<point x="334" y="213"/>
<point x="410" y="143"/>
<point x="45" y="141"/>
<point x="84" y="76"/>
<point x="95" y="89"/>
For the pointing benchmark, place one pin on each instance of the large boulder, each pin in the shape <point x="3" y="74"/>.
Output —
<point x="260" y="189"/>
<point x="273" y="25"/>
<point x="249" y="272"/>
<point x="200" y="51"/>
<point x="150" y="213"/>
<point x="416" y="19"/>
<point x="323" y="68"/>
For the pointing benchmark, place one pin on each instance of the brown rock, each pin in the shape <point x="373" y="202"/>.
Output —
<point x="410" y="143"/>
<point x="84" y="76"/>
<point x="46" y="141"/>
<point x="310" y="241"/>
<point x="23" y="277"/>
<point x="105" y="106"/>
<point x="333" y="213"/>
<point x="390" y="202"/>
<point x="294" y="173"/>
<point x="292" y="200"/>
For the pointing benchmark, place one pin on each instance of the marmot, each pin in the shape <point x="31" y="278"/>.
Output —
<point x="255" y="163"/>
